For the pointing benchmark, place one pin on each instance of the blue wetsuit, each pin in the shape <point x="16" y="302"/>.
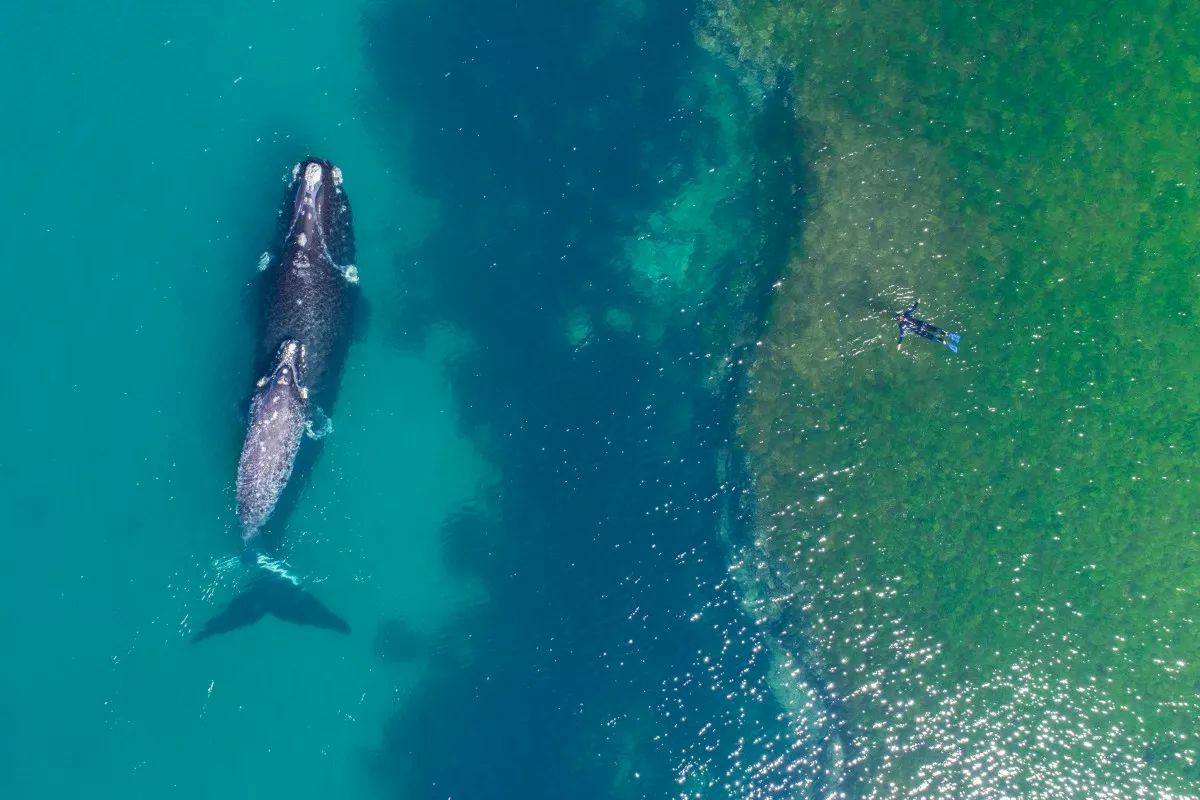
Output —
<point x="909" y="323"/>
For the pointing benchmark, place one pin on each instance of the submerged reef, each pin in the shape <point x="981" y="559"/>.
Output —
<point x="676" y="253"/>
<point x="993" y="558"/>
<point x="702" y="261"/>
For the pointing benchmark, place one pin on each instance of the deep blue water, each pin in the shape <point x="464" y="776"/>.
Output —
<point x="544" y="132"/>
<point x="528" y="519"/>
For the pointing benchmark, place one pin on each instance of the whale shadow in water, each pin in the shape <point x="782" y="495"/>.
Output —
<point x="268" y="593"/>
<point x="277" y="596"/>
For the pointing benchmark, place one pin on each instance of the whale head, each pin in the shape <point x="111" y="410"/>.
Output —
<point x="317" y="213"/>
<point x="313" y="180"/>
<point x="288" y="370"/>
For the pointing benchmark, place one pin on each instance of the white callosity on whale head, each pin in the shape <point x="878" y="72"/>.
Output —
<point x="351" y="273"/>
<point x="336" y="172"/>
<point x="312" y="176"/>
<point x="302" y="239"/>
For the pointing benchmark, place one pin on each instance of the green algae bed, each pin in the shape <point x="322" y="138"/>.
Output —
<point x="995" y="554"/>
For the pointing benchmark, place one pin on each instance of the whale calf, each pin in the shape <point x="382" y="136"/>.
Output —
<point x="277" y="421"/>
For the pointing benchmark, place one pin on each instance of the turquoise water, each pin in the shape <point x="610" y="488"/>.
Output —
<point x="519" y="510"/>
<point x="152" y="148"/>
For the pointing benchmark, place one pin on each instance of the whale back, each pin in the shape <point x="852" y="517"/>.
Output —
<point x="309" y="297"/>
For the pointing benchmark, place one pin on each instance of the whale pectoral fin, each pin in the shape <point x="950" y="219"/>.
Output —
<point x="319" y="425"/>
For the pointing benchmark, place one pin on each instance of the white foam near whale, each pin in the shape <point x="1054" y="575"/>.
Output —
<point x="277" y="566"/>
<point x="319" y="425"/>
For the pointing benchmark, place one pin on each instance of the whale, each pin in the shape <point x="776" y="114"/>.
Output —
<point x="279" y="415"/>
<point x="308" y="301"/>
<point x="310" y="296"/>
<point x="312" y="284"/>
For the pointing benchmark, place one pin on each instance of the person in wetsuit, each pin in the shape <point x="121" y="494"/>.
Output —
<point x="909" y="323"/>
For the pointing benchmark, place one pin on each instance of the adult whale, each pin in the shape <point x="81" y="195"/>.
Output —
<point x="312" y="284"/>
<point x="308" y="306"/>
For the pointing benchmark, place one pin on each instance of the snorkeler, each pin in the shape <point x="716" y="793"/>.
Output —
<point x="922" y="328"/>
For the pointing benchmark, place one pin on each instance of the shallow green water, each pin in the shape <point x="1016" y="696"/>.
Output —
<point x="994" y="553"/>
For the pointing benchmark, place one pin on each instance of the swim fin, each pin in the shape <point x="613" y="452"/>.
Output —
<point x="954" y="338"/>
<point x="953" y="347"/>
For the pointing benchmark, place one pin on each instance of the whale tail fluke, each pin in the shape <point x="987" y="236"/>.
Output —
<point x="280" y="596"/>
